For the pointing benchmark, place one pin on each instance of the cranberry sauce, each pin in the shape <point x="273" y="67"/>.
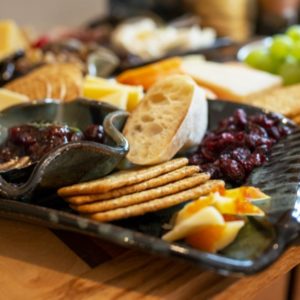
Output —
<point x="238" y="145"/>
<point x="36" y="140"/>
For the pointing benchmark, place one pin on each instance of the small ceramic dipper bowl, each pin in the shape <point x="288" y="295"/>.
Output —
<point x="68" y="163"/>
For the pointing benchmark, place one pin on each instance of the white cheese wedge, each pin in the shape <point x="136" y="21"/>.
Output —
<point x="230" y="81"/>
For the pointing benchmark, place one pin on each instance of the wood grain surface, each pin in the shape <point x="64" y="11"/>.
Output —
<point x="36" y="263"/>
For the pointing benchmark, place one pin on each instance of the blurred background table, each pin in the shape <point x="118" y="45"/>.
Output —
<point x="36" y="263"/>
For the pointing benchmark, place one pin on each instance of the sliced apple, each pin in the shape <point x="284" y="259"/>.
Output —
<point x="234" y="202"/>
<point x="212" y="222"/>
<point x="193" y="207"/>
<point x="230" y="233"/>
<point x="213" y="238"/>
<point x="206" y="216"/>
<point x="251" y="193"/>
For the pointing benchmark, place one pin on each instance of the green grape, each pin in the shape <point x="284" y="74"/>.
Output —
<point x="295" y="51"/>
<point x="290" y="59"/>
<point x="254" y="57"/>
<point x="260" y="59"/>
<point x="290" y="72"/>
<point x="294" y="32"/>
<point x="277" y="63"/>
<point x="281" y="46"/>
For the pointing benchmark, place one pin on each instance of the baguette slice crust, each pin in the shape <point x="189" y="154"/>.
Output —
<point x="172" y="116"/>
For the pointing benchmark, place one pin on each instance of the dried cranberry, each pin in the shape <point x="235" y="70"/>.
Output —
<point x="240" y="118"/>
<point x="226" y="154"/>
<point x="94" y="133"/>
<point x="265" y="148"/>
<point x="231" y="128"/>
<point x="275" y="117"/>
<point x="196" y="159"/>
<point x="240" y="137"/>
<point x="226" y="126"/>
<point x="248" y="166"/>
<point x="37" y="140"/>
<point x="75" y="136"/>
<point x="211" y="143"/>
<point x="285" y="130"/>
<point x="208" y="154"/>
<point x="239" y="144"/>
<point x="240" y="154"/>
<point x="233" y="171"/>
<point x="212" y="169"/>
<point x="257" y="129"/>
<point x="227" y="137"/>
<point x="274" y="132"/>
<point x="258" y="158"/>
<point x="263" y="121"/>
<point x="252" y="140"/>
<point x="21" y="135"/>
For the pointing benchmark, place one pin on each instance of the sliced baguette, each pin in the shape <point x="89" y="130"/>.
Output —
<point x="172" y="116"/>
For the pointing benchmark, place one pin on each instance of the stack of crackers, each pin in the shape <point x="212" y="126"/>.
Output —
<point x="139" y="191"/>
<point x="62" y="81"/>
<point x="284" y="100"/>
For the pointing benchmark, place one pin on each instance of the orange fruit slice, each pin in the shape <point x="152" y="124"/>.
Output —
<point x="148" y="75"/>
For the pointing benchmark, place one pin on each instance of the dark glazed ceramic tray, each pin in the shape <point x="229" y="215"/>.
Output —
<point x="258" y="244"/>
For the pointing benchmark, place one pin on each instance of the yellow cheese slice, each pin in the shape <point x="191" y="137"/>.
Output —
<point x="96" y="88"/>
<point x="11" y="38"/>
<point x="118" y="98"/>
<point x="96" y="91"/>
<point x="9" y="98"/>
<point x="135" y="95"/>
<point x="98" y="80"/>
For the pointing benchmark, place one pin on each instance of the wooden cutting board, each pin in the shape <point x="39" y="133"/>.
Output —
<point x="36" y="263"/>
